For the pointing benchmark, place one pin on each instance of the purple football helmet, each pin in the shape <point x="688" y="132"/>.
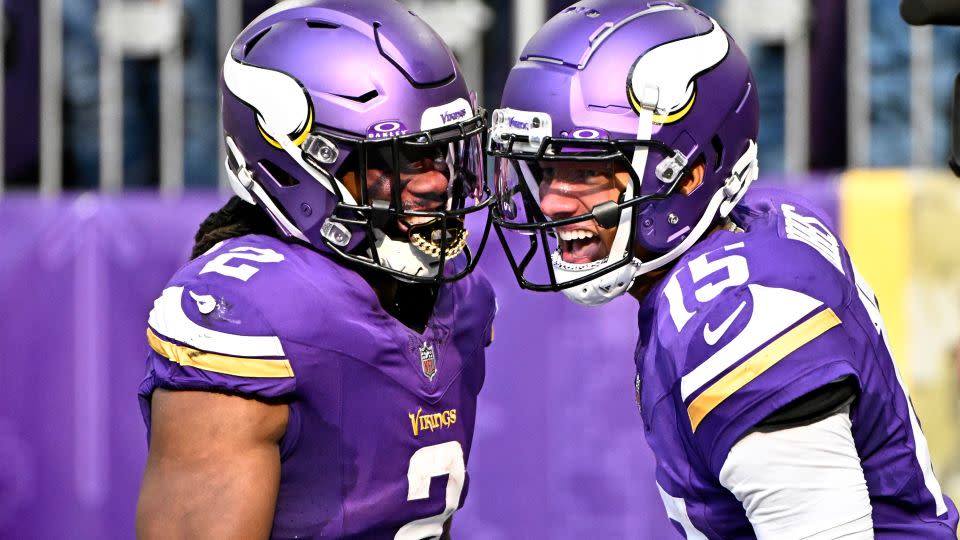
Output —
<point x="652" y="89"/>
<point x="351" y="125"/>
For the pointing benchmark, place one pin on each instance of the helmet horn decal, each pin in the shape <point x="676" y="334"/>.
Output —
<point x="284" y="113"/>
<point x="672" y="69"/>
<point x="282" y="107"/>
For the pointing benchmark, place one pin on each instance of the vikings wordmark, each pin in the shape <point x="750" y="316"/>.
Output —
<point x="429" y="422"/>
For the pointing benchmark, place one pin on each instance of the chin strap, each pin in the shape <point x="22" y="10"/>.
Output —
<point x="745" y="171"/>
<point x="692" y="237"/>
<point x="404" y="257"/>
<point x="602" y="289"/>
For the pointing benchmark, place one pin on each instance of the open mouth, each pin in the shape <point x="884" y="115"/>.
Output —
<point x="580" y="246"/>
<point x="427" y="236"/>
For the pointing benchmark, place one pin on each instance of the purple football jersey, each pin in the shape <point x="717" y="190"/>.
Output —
<point x="381" y="417"/>
<point x="747" y="322"/>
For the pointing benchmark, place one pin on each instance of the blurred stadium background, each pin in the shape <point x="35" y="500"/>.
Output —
<point x="110" y="159"/>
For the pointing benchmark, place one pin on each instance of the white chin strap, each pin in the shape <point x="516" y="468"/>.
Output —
<point x="606" y="287"/>
<point x="404" y="257"/>
<point x="601" y="289"/>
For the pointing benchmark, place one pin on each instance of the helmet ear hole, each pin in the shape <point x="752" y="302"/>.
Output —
<point x="694" y="178"/>
<point x="349" y="174"/>
<point x="717" y="152"/>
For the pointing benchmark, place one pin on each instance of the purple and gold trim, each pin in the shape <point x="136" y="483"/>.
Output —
<point x="760" y="362"/>
<point x="228" y="365"/>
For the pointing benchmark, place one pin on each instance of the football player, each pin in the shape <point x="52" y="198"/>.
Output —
<point x="315" y="368"/>
<point x="625" y="145"/>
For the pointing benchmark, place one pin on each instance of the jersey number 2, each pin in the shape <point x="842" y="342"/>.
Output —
<point x="243" y="272"/>
<point x="426" y="463"/>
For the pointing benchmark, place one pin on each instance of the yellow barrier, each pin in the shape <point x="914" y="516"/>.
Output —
<point x="900" y="227"/>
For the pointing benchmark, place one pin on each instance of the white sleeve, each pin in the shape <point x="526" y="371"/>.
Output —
<point x="802" y="482"/>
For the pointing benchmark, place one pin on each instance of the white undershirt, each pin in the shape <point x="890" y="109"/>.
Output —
<point x="802" y="482"/>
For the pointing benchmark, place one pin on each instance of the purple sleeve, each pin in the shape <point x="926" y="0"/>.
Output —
<point x="205" y="335"/>
<point x="790" y="345"/>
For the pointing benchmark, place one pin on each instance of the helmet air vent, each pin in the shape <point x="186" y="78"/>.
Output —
<point x="426" y="63"/>
<point x="365" y="98"/>
<point x="253" y="42"/>
<point x="322" y="25"/>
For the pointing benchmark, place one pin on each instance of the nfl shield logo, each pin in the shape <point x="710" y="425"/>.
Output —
<point x="428" y="361"/>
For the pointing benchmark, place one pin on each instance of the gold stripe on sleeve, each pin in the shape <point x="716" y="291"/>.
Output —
<point x="229" y="365"/>
<point x="760" y="362"/>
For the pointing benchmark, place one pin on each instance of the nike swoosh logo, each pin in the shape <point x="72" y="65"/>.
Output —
<point x="713" y="336"/>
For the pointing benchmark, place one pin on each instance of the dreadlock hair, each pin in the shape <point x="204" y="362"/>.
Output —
<point x="236" y="218"/>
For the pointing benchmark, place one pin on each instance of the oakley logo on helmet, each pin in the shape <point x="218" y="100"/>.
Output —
<point x="389" y="128"/>
<point x="671" y="69"/>
<point x="588" y="133"/>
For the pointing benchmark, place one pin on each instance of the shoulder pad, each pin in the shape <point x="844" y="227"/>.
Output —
<point x="787" y="252"/>
<point x="211" y="317"/>
<point x="265" y="272"/>
<point x="746" y="275"/>
<point x="748" y="321"/>
<point x="727" y="311"/>
<point x="239" y="260"/>
<point x="478" y="290"/>
<point x="209" y="332"/>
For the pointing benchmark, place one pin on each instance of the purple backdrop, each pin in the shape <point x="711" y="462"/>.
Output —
<point x="559" y="451"/>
